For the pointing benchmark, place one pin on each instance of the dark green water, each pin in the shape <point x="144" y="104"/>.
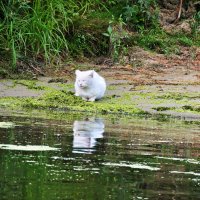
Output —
<point x="93" y="158"/>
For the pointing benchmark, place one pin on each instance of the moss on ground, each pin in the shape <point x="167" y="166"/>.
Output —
<point x="128" y="103"/>
<point x="179" y="96"/>
<point x="30" y="84"/>
<point x="67" y="100"/>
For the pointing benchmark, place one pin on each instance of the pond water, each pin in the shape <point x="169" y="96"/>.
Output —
<point x="82" y="157"/>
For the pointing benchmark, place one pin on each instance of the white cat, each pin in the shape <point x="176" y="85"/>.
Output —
<point x="89" y="85"/>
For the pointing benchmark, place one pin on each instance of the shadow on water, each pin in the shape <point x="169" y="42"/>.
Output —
<point x="96" y="158"/>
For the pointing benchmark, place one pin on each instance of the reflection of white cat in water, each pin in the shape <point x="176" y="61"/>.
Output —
<point x="85" y="135"/>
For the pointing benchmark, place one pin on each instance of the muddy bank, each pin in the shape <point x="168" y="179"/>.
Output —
<point x="150" y="83"/>
<point x="121" y="97"/>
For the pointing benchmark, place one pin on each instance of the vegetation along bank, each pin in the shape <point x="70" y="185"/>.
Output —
<point x="148" y="51"/>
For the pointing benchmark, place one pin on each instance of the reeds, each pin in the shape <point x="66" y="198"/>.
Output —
<point x="51" y="29"/>
<point x="36" y="28"/>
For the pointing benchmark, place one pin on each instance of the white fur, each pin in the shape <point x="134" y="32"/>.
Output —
<point x="89" y="85"/>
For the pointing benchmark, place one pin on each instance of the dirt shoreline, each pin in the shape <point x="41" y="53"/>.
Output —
<point x="158" y="85"/>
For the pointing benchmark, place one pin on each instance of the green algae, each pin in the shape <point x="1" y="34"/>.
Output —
<point x="65" y="86"/>
<point x="128" y="103"/>
<point x="125" y="104"/>
<point x="9" y="102"/>
<point x="179" y="96"/>
<point x="191" y="108"/>
<point x="30" y="84"/>
<point x="112" y="87"/>
<point x="68" y="101"/>
<point x="168" y="102"/>
<point x="162" y="108"/>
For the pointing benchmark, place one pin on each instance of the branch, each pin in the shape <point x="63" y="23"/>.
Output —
<point x="179" y="11"/>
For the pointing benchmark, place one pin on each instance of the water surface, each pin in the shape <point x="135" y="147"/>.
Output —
<point x="98" y="158"/>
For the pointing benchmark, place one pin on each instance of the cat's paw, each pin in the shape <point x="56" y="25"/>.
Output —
<point x="76" y="94"/>
<point x="85" y="99"/>
<point x="92" y="99"/>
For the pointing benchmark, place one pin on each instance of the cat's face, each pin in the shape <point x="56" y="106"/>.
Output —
<point x="84" y="78"/>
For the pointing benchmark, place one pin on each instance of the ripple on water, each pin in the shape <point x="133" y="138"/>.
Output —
<point x="132" y="165"/>
<point x="192" y="161"/>
<point x="27" y="147"/>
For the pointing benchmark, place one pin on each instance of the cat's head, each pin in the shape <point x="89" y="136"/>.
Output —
<point x="84" y="78"/>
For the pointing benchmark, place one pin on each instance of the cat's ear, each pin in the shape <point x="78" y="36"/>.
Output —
<point x="91" y="73"/>
<point x="77" y="72"/>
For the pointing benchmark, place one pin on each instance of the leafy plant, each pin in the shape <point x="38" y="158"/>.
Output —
<point x="49" y="30"/>
<point x="141" y="13"/>
<point x="116" y="35"/>
<point x="196" y="24"/>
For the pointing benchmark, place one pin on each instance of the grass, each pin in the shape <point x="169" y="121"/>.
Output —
<point x="34" y="28"/>
<point x="54" y="30"/>
<point x="43" y="29"/>
<point x="162" y="42"/>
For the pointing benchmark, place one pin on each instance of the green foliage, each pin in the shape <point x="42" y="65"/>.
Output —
<point x="87" y="39"/>
<point x="196" y="24"/>
<point x="162" y="42"/>
<point x="116" y="34"/>
<point x="52" y="29"/>
<point x="36" y="28"/>
<point x="140" y="14"/>
<point x="42" y="29"/>
<point x="185" y="41"/>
